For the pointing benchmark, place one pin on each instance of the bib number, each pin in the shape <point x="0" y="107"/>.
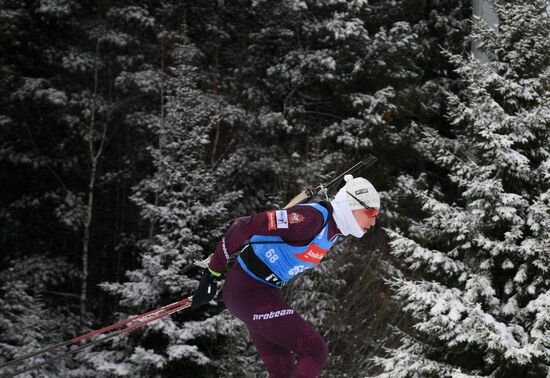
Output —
<point x="271" y="255"/>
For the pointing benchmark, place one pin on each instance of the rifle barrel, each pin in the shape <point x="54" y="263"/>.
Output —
<point x="370" y="160"/>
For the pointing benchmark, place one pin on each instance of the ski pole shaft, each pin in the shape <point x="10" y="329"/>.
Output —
<point x="187" y="303"/>
<point x="123" y="322"/>
<point x="96" y="332"/>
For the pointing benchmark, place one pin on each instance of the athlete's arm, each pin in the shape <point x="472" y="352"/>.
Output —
<point x="297" y="223"/>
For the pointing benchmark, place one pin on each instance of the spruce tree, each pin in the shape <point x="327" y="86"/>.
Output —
<point x="81" y="87"/>
<point x="477" y="248"/>
<point x="33" y="306"/>
<point x="347" y="80"/>
<point x="191" y="211"/>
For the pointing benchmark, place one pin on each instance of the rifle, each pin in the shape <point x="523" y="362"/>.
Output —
<point x="310" y="193"/>
<point x="306" y="196"/>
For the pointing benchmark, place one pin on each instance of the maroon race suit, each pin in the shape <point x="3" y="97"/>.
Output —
<point x="288" y="345"/>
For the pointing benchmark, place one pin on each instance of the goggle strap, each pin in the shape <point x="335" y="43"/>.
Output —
<point x="360" y="202"/>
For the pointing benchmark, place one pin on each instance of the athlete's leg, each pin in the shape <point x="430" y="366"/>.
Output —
<point x="266" y="315"/>
<point x="278" y="360"/>
<point x="292" y="332"/>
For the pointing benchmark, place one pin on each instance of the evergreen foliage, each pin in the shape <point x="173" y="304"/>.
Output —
<point x="479" y="294"/>
<point x="80" y="81"/>
<point x="132" y="133"/>
<point x="33" y="307"/>
<point x="191" y="202"/>
<point x="354" y="105"/>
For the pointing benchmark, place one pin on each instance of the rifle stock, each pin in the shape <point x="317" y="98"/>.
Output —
<point x="298" y="199"/>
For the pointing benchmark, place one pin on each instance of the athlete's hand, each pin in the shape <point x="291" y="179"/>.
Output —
<point x="207" y="288"/>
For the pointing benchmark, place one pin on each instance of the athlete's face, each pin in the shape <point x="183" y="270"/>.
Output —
<point x="365" y="217"/>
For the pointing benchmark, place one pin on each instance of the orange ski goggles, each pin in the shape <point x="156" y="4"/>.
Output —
<point x="371" y="212"/>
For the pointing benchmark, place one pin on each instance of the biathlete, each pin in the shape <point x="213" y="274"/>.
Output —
<point x="282" y="244"/>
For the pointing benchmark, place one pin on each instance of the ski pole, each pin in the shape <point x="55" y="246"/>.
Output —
<point x="99" y="331"/>
<point x="166" y="310"/>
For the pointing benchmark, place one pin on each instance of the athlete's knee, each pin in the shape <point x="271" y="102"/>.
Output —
<point x="322" y="352"/>
<point x="313" y="354"/>
<point x="315" y="347"/>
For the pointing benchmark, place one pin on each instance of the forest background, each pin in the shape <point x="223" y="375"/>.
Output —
<point x="133" y="133"/>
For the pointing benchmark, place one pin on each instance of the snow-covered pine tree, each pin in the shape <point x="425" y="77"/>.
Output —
<point x="478" y="248"/>
<point x="42" y="201"/>
<point x="75" y="75"/>
<point x="192" y="211"/>
<point x="346" y="80"/>
<point x="33" y="306"/>
<point x="39" y="137"/>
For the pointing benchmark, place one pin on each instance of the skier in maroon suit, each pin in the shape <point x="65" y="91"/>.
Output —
<point x="282" y="244"/>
